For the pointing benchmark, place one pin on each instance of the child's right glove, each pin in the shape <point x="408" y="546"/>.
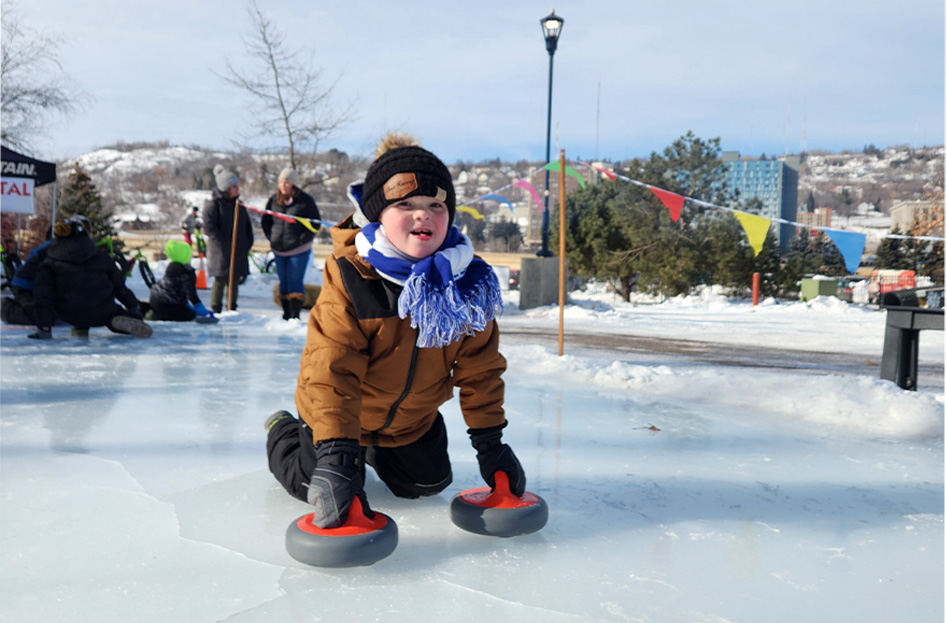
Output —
<point x="335" y="482"/>
<point x="495" y="456"/>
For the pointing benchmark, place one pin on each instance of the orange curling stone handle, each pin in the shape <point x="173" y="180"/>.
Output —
<point x="500" y="496"/>
<point x="356" y="523"/>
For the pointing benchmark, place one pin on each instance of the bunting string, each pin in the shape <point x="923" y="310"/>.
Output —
<point x="850" y="244"/>
<point x="309" y="223"/>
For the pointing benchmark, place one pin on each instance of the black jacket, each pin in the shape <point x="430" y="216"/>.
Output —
<point x="283" y="235"/>
<point x="177" y="287"/>
<point x="78" y="282"/>
<point x="218" y="215"/>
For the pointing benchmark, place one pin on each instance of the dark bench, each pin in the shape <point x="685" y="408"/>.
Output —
<point x="903" y="328"/>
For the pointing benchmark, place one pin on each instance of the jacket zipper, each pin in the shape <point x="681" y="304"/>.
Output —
<point x="404" y="394"/>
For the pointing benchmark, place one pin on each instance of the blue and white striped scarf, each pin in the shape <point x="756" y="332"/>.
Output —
<point x="448" y="295"/>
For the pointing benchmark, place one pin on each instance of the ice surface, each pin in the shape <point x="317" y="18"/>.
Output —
<point x="134" y="485"/>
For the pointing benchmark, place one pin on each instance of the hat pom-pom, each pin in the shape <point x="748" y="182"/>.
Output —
<point x="62" y="229"/>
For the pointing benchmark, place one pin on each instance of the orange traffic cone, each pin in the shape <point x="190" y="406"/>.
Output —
<point x="201" y="283"/>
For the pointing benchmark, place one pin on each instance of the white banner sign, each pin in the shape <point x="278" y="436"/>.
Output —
<point x="16" y="194"/>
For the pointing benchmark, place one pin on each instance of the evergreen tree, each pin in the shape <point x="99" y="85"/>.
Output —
<point x="931" y="261"/>
<point x="81" y="197"/>
<point x="891" y="254"/>
<point x="724" y="257"/>
<point x="616" y="231"/>
<point x="509" y="234"/>
<point x="773" y="275"/>
<point x="833" y="263"/>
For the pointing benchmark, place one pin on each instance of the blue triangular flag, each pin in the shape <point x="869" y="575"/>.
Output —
<point x="850" y="244"/>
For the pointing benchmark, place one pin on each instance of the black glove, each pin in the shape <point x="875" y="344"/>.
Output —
<point x="494" y="456"/>
<point x="336" y="481"/>
<point x="41" y="334"/>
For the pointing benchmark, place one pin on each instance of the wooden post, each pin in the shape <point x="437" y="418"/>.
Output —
<point x="562" y="244"/>
<point x="756" y="289"/>
<point x="233" y="253"/>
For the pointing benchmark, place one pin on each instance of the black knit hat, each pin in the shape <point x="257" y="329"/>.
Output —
<point x="405" y="172"/>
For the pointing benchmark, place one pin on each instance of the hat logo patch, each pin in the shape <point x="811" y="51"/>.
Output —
<point x="399" y="185"/>
<point x="441" y="194"/>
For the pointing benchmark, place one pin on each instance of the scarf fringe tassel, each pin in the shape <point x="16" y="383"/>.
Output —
<point x="442" y="315"/>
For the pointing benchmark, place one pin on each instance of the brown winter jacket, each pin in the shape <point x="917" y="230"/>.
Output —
<point x="362" y="375"/>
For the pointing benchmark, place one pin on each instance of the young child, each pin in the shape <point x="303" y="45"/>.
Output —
<point x="406" y="313"/>
<point x="174" y="296"/>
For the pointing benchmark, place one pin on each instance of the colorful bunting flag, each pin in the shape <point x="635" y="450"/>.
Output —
<point x="850" y="244"/>
<point x="755" y="228"/>
<point x="609" y="174"/>
<point x="672" y="201"/>
<point x="500" y="199"/>
<point x="554" y="166"/>
<point x="471" y="211"/>
<point x="529" y="187"/>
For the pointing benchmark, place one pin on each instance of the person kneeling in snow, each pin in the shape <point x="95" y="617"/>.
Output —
<point x="78" y="283"/>
<point x="405" y="314"/>
<point x="174" y="296"/>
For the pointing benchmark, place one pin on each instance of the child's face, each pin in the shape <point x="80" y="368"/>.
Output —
<point x="417" y="226"/>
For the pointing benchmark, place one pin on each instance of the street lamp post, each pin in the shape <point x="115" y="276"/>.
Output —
<point x="552" y="27"/>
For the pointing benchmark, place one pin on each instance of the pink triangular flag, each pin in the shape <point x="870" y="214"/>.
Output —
<point x="529" y="187"/>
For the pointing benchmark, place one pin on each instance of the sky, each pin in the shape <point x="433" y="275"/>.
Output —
<point x="470" y="81"/>
<point x="135" y="485"/>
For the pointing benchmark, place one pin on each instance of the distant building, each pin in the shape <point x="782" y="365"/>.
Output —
<point x="822" y="217"/>
<point x="928" y="217"/>
<point x="774" y="182"/>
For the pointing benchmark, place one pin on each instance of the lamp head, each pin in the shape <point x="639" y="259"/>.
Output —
<point x="552" y="28"/>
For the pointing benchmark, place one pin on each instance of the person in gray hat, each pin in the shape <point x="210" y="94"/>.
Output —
<point x="218" y="216"/>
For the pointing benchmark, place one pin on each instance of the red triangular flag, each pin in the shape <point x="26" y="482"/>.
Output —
<point x="673" y="201"/>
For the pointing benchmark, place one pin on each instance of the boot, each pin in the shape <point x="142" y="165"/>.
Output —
<point x="287" y="307"/>
<point x="129" y="325"/>
<point x="295" y="304"/>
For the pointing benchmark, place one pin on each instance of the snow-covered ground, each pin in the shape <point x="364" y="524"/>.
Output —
<point x="134" y="485"/>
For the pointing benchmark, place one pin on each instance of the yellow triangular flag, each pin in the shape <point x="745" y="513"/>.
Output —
<point x="755" y="228"/>
<point x="471" y="211"/>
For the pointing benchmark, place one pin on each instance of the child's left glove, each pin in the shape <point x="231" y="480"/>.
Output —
<point x="495" y="456"/>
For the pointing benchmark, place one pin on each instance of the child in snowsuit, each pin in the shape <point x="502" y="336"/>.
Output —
<point x="406" y="313"/>
<point x="78" y="283"/>
<point x="174" y="296"/>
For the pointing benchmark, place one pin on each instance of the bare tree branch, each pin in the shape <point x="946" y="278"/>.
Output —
<point x="289" y="99"/>
<point x="33" y="82"/>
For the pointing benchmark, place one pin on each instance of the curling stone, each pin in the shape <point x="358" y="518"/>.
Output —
<point x="359" y="541"/>
<point x="498" y="512"/>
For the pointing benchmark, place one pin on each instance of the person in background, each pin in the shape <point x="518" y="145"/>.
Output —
<point x="191" y="222"/>
<point x="78" y="283"/>
<point x="406" y="313"/>
<point x="291" y="242"/>
<point x="11" y="261"/>
<point x="218" y="217"/>
<point x="174" y="296"/>
<point x="19" y="310"/>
